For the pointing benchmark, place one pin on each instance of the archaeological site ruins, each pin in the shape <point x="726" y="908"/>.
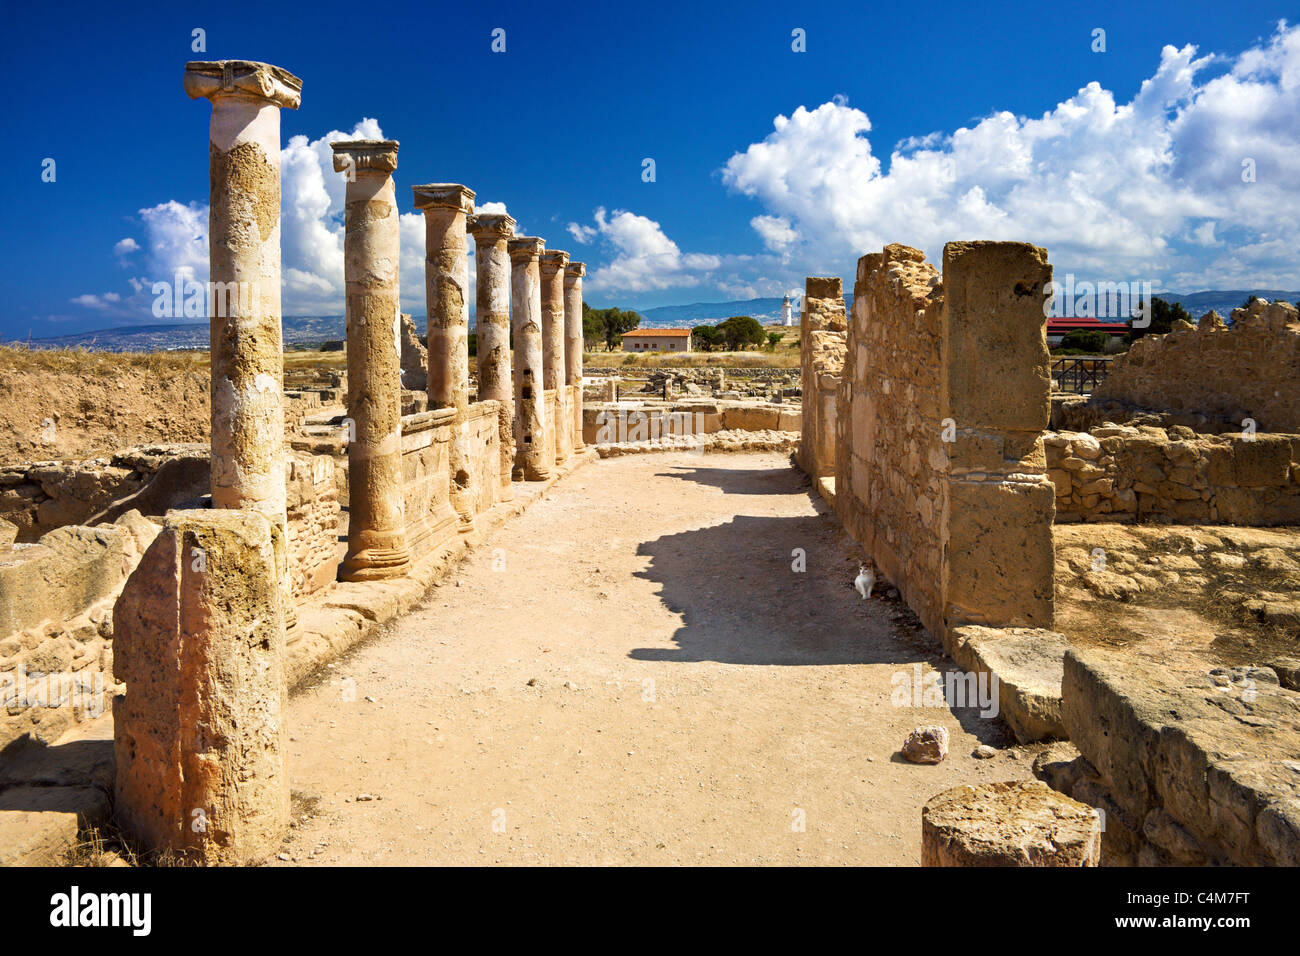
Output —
<point x="1120" y="570"/>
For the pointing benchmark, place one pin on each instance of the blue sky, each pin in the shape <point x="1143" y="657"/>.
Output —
<point x="1126" y="163"/>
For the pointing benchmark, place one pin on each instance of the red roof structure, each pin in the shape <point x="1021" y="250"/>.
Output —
<point x="1085" y="324"/>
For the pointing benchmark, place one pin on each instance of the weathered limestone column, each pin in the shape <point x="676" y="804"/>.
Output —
<point x="446" y="272"/>
<point x="199" y="737"/>
<point x="573" y="274"/>
<point x="531" y="459"/>
<point x="248" y="463"/>
<point x="492" y="326"/>
<point x="551" y="265"/>
<point x="371" y="252"/>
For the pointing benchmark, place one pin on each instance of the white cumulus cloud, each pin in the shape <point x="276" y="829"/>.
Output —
<point x="1151" y="187"/>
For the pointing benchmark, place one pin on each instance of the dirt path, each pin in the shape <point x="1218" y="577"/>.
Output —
<point x="646" y="681"/>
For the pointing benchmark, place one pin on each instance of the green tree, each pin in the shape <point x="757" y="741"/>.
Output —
<point x="1089" y="341"/>
<point x="773" y="340"/>
<point x="741" y="331"/>
<point x="607" y="325"/>
<point x="705" y="338"/>
<point x="593" y="329"/>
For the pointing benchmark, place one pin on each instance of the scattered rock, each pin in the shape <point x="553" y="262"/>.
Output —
<point x="926" y="745"/>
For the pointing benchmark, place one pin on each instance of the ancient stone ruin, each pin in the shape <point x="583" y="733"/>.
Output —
<point x="1121" y="570"/>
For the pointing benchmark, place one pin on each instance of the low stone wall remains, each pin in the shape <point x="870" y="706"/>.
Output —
<point x="1189" y="767"/>
<point x="1126" y="474"/>
<point x="1249" y="370"/>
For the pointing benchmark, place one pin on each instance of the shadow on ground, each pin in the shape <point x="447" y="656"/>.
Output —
<point x="755" y="481"/>
<point x="742" y="601"/>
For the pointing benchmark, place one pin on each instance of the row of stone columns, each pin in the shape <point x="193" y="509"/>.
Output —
<point x="522" y="287"/>
<point x="202" y="627"/>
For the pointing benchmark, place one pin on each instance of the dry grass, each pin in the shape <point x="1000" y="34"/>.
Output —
<point x="295" y="360"/>
<point x="781" y="358"/>
<point x="99" y="847"/>
<point x="85" y="362"/>
<point x="19" y="358"/>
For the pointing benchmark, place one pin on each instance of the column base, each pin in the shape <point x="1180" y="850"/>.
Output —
<point x="375" y="564"/>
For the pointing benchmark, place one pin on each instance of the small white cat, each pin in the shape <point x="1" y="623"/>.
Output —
<point x="865" y="581"/>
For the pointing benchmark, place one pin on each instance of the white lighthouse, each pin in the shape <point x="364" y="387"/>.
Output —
<point x="787" y="319"/>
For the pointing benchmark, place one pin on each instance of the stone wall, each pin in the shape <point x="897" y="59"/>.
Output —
<point x="822" y="333"/>
<point x="426" y="470"/>
<point x="605" y="422"/>
<point x="1247" y="371"/>
<point x="940" y="464"/>
<point x="56" y="626"/>
<point x="484" y="454"/>
<point x="1125" y="474"/>
<point x="313" y="522"/>
<point x="41" y="496"/>
<point x="1191" y="767"/>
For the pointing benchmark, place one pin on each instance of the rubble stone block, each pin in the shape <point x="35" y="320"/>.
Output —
<point x="1023" y="823"/>
<point x="200" y="734"/>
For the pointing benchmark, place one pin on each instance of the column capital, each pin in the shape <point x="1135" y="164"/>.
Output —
<point x="553" y="261"/>
<point x="365" y="155"/>
<point x="486" y="227"/>
<point x="444" y="196"/>
<point x="575" y="270"/>
<point x="526" y="247"/>
<point x="212" y="79"/>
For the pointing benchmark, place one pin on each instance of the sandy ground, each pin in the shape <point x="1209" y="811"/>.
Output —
<point x="631" y="672"/>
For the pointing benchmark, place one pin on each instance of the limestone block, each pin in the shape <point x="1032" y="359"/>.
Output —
<point x="1028" y="664"/>
<point x="1190" y="743"/>
<point x="1265" y="460"/>
<point x="200" y="734"/>
<point x="994" y="331"/>
<point x="999" y="567"/>
<point x="1022" y="823"/>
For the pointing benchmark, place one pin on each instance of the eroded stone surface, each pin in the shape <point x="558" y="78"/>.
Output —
<point x="532" y="460"/>
<point x="199" y="734"/>
<point x="1025" y="823"/>
<point x="371" y="253"/>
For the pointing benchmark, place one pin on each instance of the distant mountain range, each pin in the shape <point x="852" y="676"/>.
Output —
<point x="309" y="331"/>
<point x="768" y="310"/>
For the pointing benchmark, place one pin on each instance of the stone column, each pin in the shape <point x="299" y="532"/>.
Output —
<point x="492" y="326"/>
<point x="371" y="251"/>
<point x="446" y="274"/>
<point x="573" y="274"/>
<point x="199" y="736"/>
<point x="552" y="265"/>
<point x="248" y="458"/>
<point x="531" y="459"/>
